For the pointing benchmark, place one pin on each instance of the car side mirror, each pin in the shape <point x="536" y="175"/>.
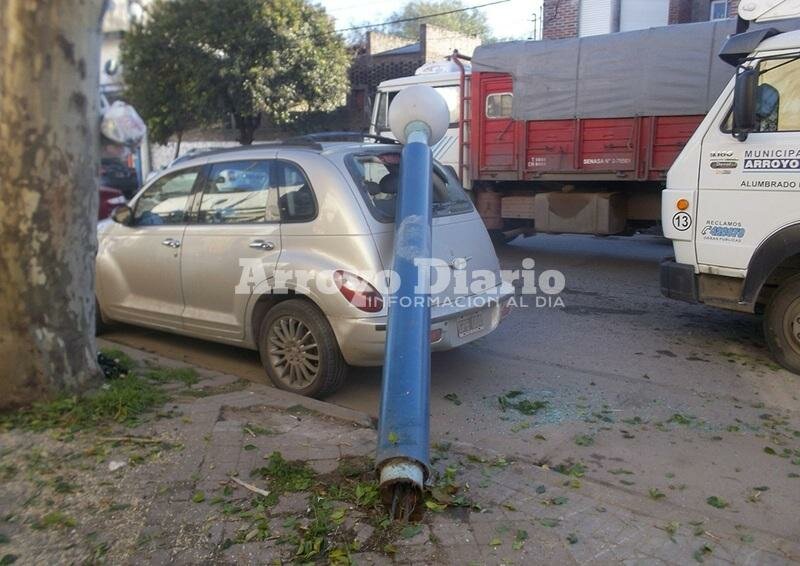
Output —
<point x="123" y="215"/>
<point x="744" y="103"/>
<point x="452" y="170"/>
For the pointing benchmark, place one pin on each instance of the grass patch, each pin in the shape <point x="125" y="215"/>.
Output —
<point x="55" y="520"/>
<point x="188" y="376"/>
<point x="285" y="476"/>
<point x="123" y="399"/>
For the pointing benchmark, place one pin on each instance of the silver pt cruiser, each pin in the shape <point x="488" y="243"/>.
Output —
<point x="285" y="248"/>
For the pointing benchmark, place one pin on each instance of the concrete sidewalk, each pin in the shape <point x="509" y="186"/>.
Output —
<point x="172" y="498"/>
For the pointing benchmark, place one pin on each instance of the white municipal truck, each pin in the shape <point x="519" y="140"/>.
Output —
<point x="447" y="77"/>
<point x="732" y="202"/>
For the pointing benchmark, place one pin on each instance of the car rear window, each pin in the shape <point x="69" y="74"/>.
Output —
<point x="377" y="175"/>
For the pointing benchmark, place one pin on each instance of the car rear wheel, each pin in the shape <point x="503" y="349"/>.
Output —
<point x="782" y="324"/>
<point x="299" y="350"/>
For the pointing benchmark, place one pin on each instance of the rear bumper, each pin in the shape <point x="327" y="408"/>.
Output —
<point x="679" y="281"/>
<point x="363" y="340"/>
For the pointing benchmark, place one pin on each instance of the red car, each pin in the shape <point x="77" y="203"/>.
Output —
<point x="109" y="200"/>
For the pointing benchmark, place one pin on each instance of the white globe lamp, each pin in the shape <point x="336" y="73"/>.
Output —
<point x="421" y="109"/>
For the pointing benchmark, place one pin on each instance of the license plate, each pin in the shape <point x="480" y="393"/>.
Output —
<point x="470" y="324"/>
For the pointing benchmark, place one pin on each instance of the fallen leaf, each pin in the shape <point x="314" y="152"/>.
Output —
<point x="702" y="552"/>
<point x="434" y="506"/>
<point x="453" y="398"/>
<point x="717" y="502"/>
<point x="410" y="531"/>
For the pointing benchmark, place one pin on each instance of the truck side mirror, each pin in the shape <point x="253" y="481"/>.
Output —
<point x="744" y="103"/>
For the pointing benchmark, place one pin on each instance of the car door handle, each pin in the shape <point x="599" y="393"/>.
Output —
<point x="262" y="245"/>
<point x="171" y="243"/>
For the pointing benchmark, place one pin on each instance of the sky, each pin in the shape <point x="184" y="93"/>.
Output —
<point x="511" y="19"/>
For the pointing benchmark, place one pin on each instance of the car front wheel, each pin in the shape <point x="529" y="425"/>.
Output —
<point x="299" y="350"/>
<point x="782" y="324"/>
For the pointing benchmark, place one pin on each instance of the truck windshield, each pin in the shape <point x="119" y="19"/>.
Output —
<point x="450" y="93"/>
<point x="377" y="176"/>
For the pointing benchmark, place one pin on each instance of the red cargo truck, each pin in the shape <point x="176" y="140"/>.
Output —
<point x="576" y="135"/>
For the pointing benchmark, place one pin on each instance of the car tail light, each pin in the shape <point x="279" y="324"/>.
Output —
<point x="436" y="335"/>
<point x="358" y="292"/>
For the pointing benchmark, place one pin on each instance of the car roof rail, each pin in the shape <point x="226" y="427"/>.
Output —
<point x="311" y="141"/>
<point x="342" y="136"/>
<point x="210" y="151"/>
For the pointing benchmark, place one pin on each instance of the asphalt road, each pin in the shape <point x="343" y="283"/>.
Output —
<point x="658" y="399"/>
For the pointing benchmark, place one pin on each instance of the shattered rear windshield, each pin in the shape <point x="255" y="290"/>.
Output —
<point x="377" y="175"/>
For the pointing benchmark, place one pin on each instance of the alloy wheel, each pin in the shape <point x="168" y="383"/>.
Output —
<point x="293" y="352"/>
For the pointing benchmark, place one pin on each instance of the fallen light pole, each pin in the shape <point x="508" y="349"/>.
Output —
<point x="419" y="118"/>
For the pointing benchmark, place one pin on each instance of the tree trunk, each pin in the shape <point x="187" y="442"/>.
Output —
<point x="247" y="126"/>
<point x="49" y="143"/>
<point x="178" y="145"/>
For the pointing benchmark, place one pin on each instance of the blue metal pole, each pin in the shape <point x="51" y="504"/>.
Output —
<point x="403" y="431"/>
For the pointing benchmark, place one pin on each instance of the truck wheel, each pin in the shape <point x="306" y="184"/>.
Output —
<point x="782" y="324"/>
<point x="299" y="350"/>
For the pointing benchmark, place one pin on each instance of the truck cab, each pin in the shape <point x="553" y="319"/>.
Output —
<point x="732" y="202"/>
<point x="446" y="78"/>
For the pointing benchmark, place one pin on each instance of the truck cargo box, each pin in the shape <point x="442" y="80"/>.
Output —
<point x="636" y="148"/>
<point x="666" y="71"/>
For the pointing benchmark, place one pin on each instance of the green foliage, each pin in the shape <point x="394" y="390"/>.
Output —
<point x="122" y="401"/>
<point x="524" y="406"/>
<point x="163" y="73"/>
<point x="164" y="375"/>
<point x="717" y="502"/>
<point x="286" y="476"/>
<point x="54" y="520"/>
<point x="200" y="61"/>
<point x="468" y="22"/>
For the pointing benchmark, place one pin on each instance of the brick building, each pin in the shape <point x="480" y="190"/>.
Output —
<point x="383" y="56"/>
<point x="575" y="18"/>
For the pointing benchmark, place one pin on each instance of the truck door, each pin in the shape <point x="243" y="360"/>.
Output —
<point x="751" y="188"/>
<point x="497" y="147"/>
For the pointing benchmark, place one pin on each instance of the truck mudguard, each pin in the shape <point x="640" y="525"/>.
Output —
<point x="770" y="254"/>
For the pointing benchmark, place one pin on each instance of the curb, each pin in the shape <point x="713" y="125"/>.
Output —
<point x="274" y="397"/>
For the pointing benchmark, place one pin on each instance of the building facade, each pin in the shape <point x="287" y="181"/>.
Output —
<point x="119" y="16"/>
<point x="580" y="18"/>
<point x="383" y="56"/>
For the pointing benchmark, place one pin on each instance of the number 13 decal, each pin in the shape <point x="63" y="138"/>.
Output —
<point x="681" y="221"/>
